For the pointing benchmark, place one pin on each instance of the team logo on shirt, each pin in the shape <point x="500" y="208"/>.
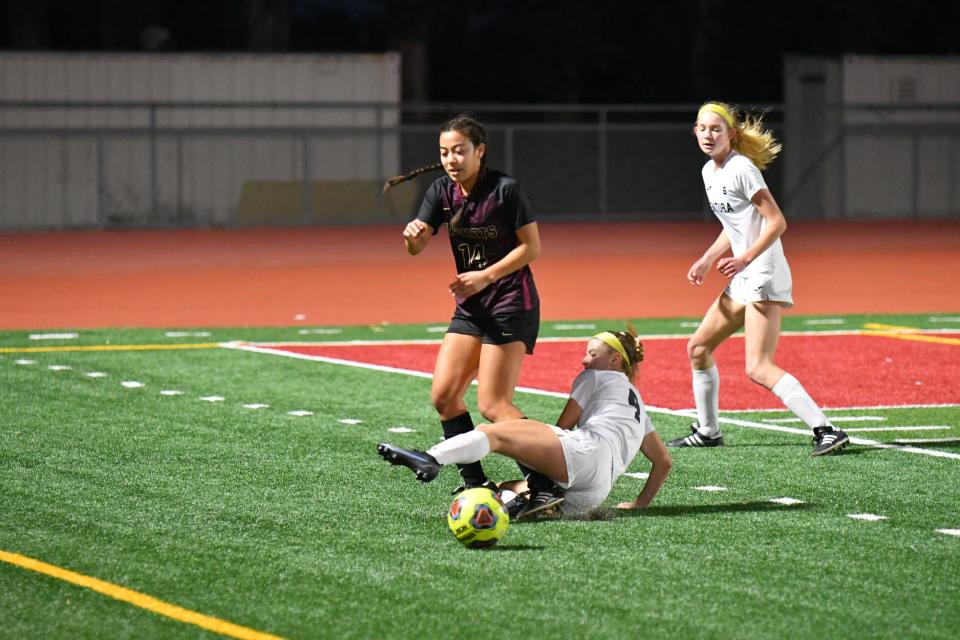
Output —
<point x="477" y="233"/>
<point x="721" y="207"/>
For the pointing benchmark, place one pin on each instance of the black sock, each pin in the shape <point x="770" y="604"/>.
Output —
<point x="472" y="472"/>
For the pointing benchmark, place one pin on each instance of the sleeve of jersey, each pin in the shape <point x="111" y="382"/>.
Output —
<point x="583" y="387"/>
<point x="750" y="180"/>
<point x="518" y="205"/>
<point x="431" y="209"/>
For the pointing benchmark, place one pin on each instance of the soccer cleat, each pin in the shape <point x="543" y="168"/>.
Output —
<point x="541" y="503"/>
<point x="696" y="439"/>
<point x="516" y="504"/>
<point x="486" y="484"/>
<point x="423" y="465"/>
<point x="828" y="440"/>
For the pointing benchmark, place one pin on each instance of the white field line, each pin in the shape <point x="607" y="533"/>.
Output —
<point x="654" y="336"/>
<point x="833" y="419"/>
<point x="917" y="428"/>
<point x="242" y="346"/>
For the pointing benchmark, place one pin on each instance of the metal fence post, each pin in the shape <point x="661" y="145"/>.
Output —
<point x="154" y="197"/>
<point x="305" y="203"/>
<point x="602" y="164"/>
<point x="101" y="216"/>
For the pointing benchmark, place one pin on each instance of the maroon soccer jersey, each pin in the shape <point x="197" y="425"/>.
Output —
<point x="487" y="232"/>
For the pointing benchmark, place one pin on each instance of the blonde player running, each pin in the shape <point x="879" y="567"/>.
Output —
<point x="760" y="282"/>
<point x="612" y="425"/>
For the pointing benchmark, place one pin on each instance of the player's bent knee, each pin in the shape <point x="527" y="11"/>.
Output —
<point x="697" y="352"/>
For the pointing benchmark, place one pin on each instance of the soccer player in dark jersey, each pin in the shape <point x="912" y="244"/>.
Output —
<point x="494" y="238"/>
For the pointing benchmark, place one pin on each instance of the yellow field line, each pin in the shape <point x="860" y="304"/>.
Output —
<point x="916" y="337"/>
<point x="112" y="347"/>
<point x="888" y="328"/>
<point x="138" y="599"/>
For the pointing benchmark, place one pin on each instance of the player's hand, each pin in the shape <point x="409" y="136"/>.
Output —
<point x="698" y="271"/>
<point x="414" y="230"/>
<point x="731" y="266"/>
<point x="629" y="506"/>
<point x="469" y="283"/>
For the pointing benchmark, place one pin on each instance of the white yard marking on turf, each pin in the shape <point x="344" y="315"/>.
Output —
<point x="187" y="334"/>
<point x="24" y="362"/>
<point x="833" y="419"/>
<point x="256" y="405"/>
<point x="825" y="321"/>
<point x="710" y="487"/>
<point x="869" y="517"/>
<point x="59" y="367"/>
<point x="436" y="329"/>
<point x="96" y="374"/>
<point x="949" y="532"/>
<point x="919" y="428"/>
<point x="54" y="336"/>
<point x="787" y="501"/>
<point x="944" y="318"/>
<point x="350" y="421"/>
<point x="171" y="392"/>
<point x="639" y="475"/>
<point x="401" y="430"/>
<point x="574" y="327"/>
<point x="325" y="332"/>
<point x="689" y="413"/>
<point x="300" y="413"/>
<point x="212" y="398"/>
<point x="690" y="325"/>
<point x="131" y="384"/>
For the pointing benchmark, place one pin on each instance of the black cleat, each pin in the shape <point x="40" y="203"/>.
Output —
<point x="541" y="503"/>
<point x="696" y="439"/>
<point x="828" y="440"/>
<point x="516" y="504"/>
<point x="423" y="465"/>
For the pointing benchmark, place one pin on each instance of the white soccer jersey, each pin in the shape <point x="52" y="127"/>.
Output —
<point x="613" y="410"/>
<point x="729" y="190"/>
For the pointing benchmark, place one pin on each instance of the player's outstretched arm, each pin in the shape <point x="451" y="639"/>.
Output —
<point x="654" y="450"/>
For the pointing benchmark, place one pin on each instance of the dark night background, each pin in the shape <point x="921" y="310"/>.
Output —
<point x="512" y="51"/>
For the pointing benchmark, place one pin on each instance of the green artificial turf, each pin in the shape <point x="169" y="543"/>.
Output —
<point x="292" y="525"/>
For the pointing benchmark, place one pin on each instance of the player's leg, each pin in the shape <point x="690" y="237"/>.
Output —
<point x="762" y="328"/>
<point x="722" y="320"/>
<point x="457" y="363"/>
<point x="533" y="443"/>
<point x="499" y="371"/>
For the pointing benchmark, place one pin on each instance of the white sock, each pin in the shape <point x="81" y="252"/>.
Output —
<point x="706" y="395"/>
<point x="792" y="394"/>
<point x="466" y="447"/>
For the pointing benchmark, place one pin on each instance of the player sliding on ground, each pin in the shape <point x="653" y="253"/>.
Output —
<point x="760" y="281"/>
<point x="581" y="464"/>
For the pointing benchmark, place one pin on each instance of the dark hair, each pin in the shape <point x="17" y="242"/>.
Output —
<point x="464" y="123"/>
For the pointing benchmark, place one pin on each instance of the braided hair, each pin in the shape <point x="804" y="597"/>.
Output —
<point x="467" y="125"/>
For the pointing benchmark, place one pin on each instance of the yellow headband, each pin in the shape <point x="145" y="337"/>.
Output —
<point x="720" y="111"/>
<point x="614" y="343"/>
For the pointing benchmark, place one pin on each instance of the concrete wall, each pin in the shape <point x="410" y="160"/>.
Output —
<point x="191" y="131"/>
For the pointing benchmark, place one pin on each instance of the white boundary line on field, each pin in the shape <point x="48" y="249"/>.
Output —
<point x="652" y="336"/>
<point x="242" y="346"/>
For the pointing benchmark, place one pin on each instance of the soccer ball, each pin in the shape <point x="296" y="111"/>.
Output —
<point x="477" y="518"/>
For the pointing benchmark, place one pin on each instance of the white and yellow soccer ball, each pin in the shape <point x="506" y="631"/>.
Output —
<point x="477" y="518"/>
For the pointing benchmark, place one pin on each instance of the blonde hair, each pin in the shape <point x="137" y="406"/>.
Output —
<point x="752" y="139"/>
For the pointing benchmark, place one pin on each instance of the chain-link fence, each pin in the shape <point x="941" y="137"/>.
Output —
<point x="110" y="165"/>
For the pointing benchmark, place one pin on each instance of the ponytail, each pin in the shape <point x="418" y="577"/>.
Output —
<point x="395" y="180"/>
<point x="752" y="139"/>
